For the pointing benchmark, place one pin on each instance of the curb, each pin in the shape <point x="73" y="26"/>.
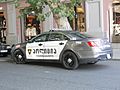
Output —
<point x="115" y="59"/>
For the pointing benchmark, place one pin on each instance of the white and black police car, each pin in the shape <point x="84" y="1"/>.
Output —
<point x="71" y="48"/>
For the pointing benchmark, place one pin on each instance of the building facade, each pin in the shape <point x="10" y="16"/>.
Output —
<point x="9" y="13"/>
<point x="99" y="17"/>
<point x="97" y="20"/>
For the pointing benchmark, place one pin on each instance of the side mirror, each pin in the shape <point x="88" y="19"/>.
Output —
<point x="30" y="41"/>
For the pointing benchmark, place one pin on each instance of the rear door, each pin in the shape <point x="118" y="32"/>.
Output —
<point x="54" y="46"/>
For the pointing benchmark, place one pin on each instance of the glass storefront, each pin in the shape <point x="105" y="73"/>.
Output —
<point x="2" y="27"/>
<point x="116" y="22"/>
<point x="79" y="21"/>
<point x="32" y="26"/>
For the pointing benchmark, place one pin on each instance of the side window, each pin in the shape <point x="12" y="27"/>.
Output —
<point x="65" y="37"/>
<point x="40" y="38"/>
<point x="55" y="37"/>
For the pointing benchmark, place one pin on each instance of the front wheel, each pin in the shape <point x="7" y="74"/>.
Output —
<point x="70" y="60"/>
<point x="19" y="57"/>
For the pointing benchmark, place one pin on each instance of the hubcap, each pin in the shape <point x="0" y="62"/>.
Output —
<point x="69" y="60"/>
<point x="19" y="56"/>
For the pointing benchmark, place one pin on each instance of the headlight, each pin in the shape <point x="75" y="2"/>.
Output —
<point x="8" y="47"/>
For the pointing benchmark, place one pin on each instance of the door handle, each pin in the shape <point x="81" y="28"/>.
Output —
<point x="40" y="44"/>
<point x="61" y="43"/>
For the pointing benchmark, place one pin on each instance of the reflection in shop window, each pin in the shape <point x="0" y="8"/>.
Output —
<point x="2" y="27"/>
<point x="80" y="18"/>
<point x="116" y="22"/>
<point x="33" y="27"/>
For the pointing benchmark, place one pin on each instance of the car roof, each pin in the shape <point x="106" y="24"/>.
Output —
<point x="60" y="31"/>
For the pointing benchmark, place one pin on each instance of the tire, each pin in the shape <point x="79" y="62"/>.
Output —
<point x="70" y="60"/>
<point x="19" y="57"/>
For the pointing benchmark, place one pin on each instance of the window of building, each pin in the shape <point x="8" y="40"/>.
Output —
<point x="116" y="21"/>
<point x="2" y="27"/>
<point x="79" y="20"/>
<point x="32" y="26"/>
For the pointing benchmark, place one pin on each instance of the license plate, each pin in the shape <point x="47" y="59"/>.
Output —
<point x="4" y="51"/>
<point x="108" y="56"/>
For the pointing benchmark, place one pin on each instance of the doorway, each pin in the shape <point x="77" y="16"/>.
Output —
<point x="2" y="27"/>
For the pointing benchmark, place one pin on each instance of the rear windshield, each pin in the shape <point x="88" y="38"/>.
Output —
<point x="78" y="35"/>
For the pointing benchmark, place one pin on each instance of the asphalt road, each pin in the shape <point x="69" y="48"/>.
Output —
<point x="104" y="75"/>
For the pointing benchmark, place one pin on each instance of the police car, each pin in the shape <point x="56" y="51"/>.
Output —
<point x="70" y="48"/>
<point x="4" y="49"/>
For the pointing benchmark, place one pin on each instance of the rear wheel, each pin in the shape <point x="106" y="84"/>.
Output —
<point x="70" y="60"/>
<point x="19" y="57"/>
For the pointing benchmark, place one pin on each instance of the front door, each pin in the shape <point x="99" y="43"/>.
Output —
<point x="35" y="49"/>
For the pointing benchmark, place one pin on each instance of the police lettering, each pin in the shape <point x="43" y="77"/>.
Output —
<point x="44" y="51"/>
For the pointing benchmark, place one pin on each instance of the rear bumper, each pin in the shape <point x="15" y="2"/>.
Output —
<point x="101" y="56"/>
<point x="6" y="51"/>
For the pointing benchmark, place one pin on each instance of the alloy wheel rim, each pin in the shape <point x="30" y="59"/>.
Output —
<point x="19" y="57"/>
<point x="69" y="60"/>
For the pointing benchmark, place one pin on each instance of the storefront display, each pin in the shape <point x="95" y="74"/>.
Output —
<point x="32" y="27"/>
<point x="80" y="20"/>
<point x="2" y="27"/>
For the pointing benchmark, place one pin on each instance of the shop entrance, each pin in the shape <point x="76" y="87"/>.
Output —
<point x="32" y="26"/>
<point x="79" y="21"/>
<point x="116" y="22"/>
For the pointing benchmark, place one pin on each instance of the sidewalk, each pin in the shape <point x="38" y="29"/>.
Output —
<point x="116" y="50"/>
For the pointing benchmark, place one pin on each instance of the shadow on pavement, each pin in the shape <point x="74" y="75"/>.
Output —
<point x="92" y="67"/>
<point x="96" y="66"/>
<point x="46" y="64"/>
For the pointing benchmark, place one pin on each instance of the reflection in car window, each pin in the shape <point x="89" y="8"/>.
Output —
<point x="41" y="38"/>
<point x="55" y="37"/>
<point x="78" y="35"/>
<point x="65" y="37"/>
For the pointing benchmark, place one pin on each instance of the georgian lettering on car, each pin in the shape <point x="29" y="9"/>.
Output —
<point x="33" y="50"/>
<point x="47" y="50"/>
<point x="57" y="47"/>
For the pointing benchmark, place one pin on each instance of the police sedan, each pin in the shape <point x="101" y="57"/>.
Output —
<point x="71" y="48"/>
<point x="4" y="49"/>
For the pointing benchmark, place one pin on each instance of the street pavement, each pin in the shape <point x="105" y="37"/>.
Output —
<point x="104" y="75"/>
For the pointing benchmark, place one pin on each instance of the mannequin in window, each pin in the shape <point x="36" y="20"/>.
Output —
<point x="36" y="23"/>
<point x="2" y="21"/>
<point x="30" y="32"/>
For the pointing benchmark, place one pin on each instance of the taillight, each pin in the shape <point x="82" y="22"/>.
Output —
<point x="92" y="44"/>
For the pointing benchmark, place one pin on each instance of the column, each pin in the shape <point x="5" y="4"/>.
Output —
<point x="12" y="32"/>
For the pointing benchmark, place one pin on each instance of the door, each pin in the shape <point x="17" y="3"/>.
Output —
<point x="35" y="49"/>
<point x="54" y="46"/>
